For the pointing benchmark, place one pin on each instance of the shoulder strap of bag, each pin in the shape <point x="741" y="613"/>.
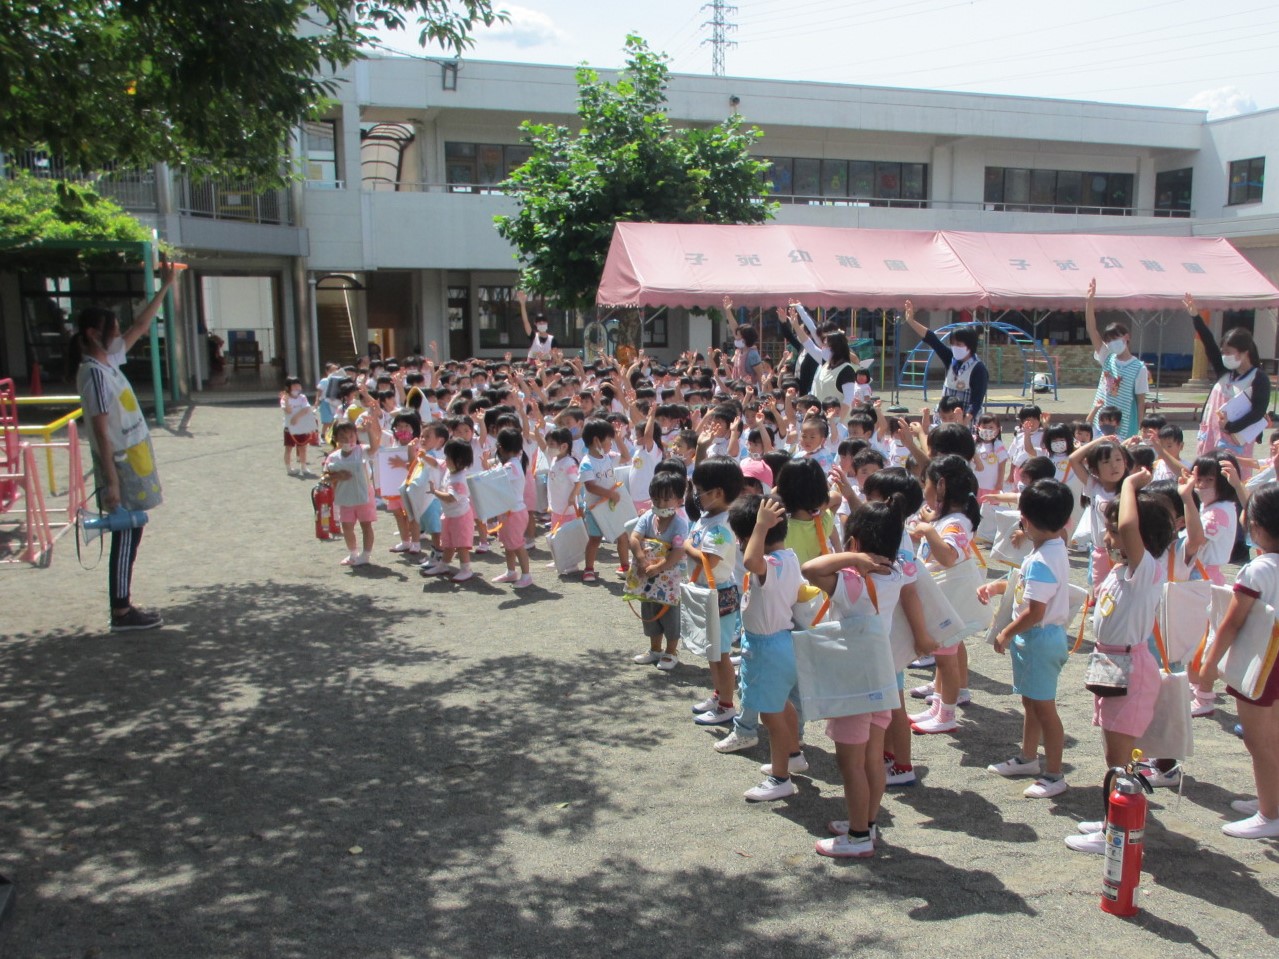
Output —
<point x="976" y="551"/>
<point x="1172" y="568"/>
<point x="704" y="567"/>
<point x="823" y="541"/>
<point x="870" y="589"/>
<point x="1159" y="644"/>
<point x="1083" y="621"/>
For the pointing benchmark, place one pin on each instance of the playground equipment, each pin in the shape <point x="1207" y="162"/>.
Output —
<point x="913" y="373"/>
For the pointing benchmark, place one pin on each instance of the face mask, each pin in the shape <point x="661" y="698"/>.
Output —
<point x="664" y="513"/>
<point x="347" y="445"/>
<point x="739" y="344"/>
<point x="1059" y="446"/>
<point x="575" y="431"/>
<point x="295" y="393"/>
<point x="1107" y="429"/>
<point x="403" y="435"/>
<point x="1117" y="345"/>
<point x="541" y="327"/>
<point x="960" y="352"/>
<point x="986" y="434"/>
<point x="646" y="371"/>
<point x="757" y="456"/>
<point x="1231" y="361"/>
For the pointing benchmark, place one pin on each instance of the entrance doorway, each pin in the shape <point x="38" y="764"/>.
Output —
<point x="459" y="315"/>
<point x="244" y="338"/>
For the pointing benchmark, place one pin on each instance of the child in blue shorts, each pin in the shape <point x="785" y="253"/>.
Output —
<point x="1037" y="635"/>
<point x="768" y="677"/>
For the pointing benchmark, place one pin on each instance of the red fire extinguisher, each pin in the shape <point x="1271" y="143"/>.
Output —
<point x="1125" y="837"/>
<point x="326" y="520"/>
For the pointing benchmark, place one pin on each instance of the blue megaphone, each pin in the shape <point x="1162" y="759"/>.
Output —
<point x="114" y="521"/>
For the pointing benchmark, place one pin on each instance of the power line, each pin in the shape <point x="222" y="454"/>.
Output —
<point x="720" y="26"/>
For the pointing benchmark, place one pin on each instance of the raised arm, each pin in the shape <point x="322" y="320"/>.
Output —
<point x="1090" y="316"/>
<point x="142" y="322"/>
<point x="1211" y="348"/>
<point x="1129" y="519"/>
<point x="522" y="299"/>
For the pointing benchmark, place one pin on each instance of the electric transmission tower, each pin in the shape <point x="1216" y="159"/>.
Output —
<point x="720" y="26"/>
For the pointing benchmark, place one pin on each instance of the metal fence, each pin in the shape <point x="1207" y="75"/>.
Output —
<point x="245" y="201"/>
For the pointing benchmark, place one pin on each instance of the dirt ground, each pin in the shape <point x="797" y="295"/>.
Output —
<point x="315" y="761"/>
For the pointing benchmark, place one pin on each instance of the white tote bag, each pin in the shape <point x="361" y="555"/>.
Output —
<point x="959" y="584"/>
<point x="568" y="545"/>
<point x="1002" y="549"/>
<point x="493" y="493"/>
<point x="541" y="479"/>
<point x="613" y="517"/>
<point x="699" y="631"/>
<point x="1170" y="734"/>
<point x="1003" y="613"/>
<point x="845" y="668"/>
<point x="1247" y="663"/>
<point x="811" y="607"/>
<point x="944" y="624"/>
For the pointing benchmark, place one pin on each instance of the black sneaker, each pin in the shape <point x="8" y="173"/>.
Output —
<point x="134" y="620"/>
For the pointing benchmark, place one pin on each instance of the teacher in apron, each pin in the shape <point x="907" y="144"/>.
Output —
<point x="967" y="378"/>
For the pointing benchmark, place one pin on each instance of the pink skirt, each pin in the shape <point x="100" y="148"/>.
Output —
<point x="855" y="730"/>
<point x="458" y="532"/>
<point x="514" y="525"/>
<point x="1130" y="714"/>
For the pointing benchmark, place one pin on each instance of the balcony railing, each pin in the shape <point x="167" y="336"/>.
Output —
<point x="243" y="201"/>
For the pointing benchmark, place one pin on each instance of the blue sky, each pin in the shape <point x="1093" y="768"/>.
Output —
<point x="1216" y="56"/>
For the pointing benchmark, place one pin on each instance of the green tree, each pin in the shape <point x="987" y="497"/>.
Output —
<point x="215" y="85"/>
<point x="626" y="162"/>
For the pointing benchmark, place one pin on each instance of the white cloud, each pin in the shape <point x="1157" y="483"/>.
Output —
<point x="1222" y="102"/>
<point x="526" y="28"/>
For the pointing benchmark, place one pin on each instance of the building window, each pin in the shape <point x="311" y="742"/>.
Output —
<point x="502" y="329"/>
<point x="845" y="182"/>
<point x="1172" y="192"/>
<point x="1247" y="177"/>
<point x="655" y="329"/>
<point x="1058" y="191"/>
<point x="480" y="167"/>
<point x="319" y="152"/>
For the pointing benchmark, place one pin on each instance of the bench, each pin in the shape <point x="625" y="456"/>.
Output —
<point x="246" y="353"/>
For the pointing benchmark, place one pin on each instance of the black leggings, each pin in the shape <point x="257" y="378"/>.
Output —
<point x="124" y="550"/>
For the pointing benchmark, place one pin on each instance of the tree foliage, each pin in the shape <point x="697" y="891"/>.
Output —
<point x="215" y="85"/>
<point x="627" y="162"/>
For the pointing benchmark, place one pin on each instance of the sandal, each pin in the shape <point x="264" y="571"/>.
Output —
<point x="590" y="576"/>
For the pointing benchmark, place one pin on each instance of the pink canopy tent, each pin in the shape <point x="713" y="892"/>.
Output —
<point x="695" y="265"/>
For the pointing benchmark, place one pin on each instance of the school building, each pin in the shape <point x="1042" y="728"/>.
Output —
<point x="389" y="243"/>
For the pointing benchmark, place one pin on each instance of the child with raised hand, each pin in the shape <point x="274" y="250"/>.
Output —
<point x="562" y="478"/>
<point x="991" y="460"/>
<point x="510" y="453"/>
<point x="1257" y="580"/>
<point x="457" y="535"/>
<point x="1139" y="532"/>
<point x="299" y="426"/>
<point x="950" y="490"/>
<point x="596" y="478"/>
<point x="1218" y="502"/>
<point x="1101" y="466"/>
<point x="348" y="469"/>
<point x="861" y="582"/>
<point x="660" y="523"/>
<point x="1037" y="635"/>
<point x="768" y="673"/>
<point x="1030" y="436"/>
<point x="405" y="429"/>
<point x="717" y="482"/>
<point x="426" y="469"/>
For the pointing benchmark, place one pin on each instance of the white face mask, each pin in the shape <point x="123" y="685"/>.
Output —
<point x="739" y="344"/>
<point x="1059" y="446"/>
<point x="1117" y="345"/>
<point x="1231" y="361"/>
<point x="986" y="434"/>
<point x="664" y="512"/>
<point x="961" y="353"/>
<point x="541" y="327"/>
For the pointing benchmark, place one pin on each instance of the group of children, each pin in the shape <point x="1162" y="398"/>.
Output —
<point x="773" y="496"/>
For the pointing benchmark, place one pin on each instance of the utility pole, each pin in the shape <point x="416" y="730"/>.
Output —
<point x="720" y="26"/>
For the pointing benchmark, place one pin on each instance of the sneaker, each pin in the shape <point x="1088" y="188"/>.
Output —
<point x="1255" y="826"/>
<point x="924" y="662"/>
<point x="839" y="827"/>
<point x="797" y="764"/>
<point x="771" y="789"/>
<point x="720" y="716"/>
<point x="928" y="713"/>
<point x="436" y="569"/>
<point x="307" y="474"/>
<point x="667" y="662"/>
<point x="736" y="660"/>
<point x="524" y="582"/>
<point x="349" y="559"/>
<point x="135" y="620"/>
<point x="1204" y="707"/>
<point x="1157" y="777"/>
<point x="509" y="576"/>
<point x="709" y="703"/>
<point x="623" y="569"/>
<point x="901" y="777"/>
<point x="482" y="548"/>
<point x="646" y="658"/>
<point x="923" y="692"/>
<point x="1094" y="842"/>
<point x="294" y="472"/>
<point x="361" y="560"/>
<point x="1245" y="806"/>
<point x="590" y="576"/>
<point x="1091" y="826"/>
<point x="736" y="741"/>
<point x="963" y="699"/>
<point x="1016" y="766"/>
<point x="530" y="544"/>
<point x="401" y="548"/>
<point x="842" y="847"/>
<point x="935" y="725"/>
<point x="1046" y="788"/>
<point x="463" y="574"/>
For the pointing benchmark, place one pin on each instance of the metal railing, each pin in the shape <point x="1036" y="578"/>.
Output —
<point x="243" y="201"/>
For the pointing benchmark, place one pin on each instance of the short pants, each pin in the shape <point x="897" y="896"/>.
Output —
<point x="666" y="624"/>
<point x="514" y="526"/>
<point x="768" y="672"/>
<point x="294" y="440"/>
<point x="855" y="730"/>
<point x="364" y="513"/>
<point x="1038" y="657"/>
<point x="429" y="521"/>
<point x="458" y="532"/>
<point x="1130" y="714"/>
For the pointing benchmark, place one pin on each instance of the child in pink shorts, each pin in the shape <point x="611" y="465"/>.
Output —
<point x="510" y="453"/>
<point x="457" y="534"/>
<point x="348" y="470"/>
<point x="1140" y="529"/>
<point x="861" y="589"/>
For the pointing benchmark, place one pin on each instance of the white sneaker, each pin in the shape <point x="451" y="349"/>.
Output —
<point x="436" y="569"/>
<point x="735" y="742"/>
<point x="771" y="789"/>
<point x="720" y="716"/>
<point x="1016" y="766"/>
<point x="509" y="576"/>
<point x="839" y="827"/>
<point x="924" y="691"/>
<point x="482" y="548"/>
<point x="1157" y="778"/>
<point x="709" y="703"/>
<point x="736" y="660"/>
<point x="352" y="559"/>
<point x="841" y="847"/>
<point x="1245" y="806"/>
<point x="667" y="662"/>
<point x="524" y="582"/>
<point x="796" y="764"/>
<point x="904" y="778"/>
<point x="294" y="472"/>
<point x="1204" y="707"/>
<point x="530" y="544"/>
<point x="646" y="658"/>
<point x="401" y="548"/>
<point x="1091" y="826"/>
<point x="935" y="725"/>
<point x="924" y="662"/>
<point x="362" y="560"/>
<point x="1046" y="788"/>
<point x="963" y="699"/>
<point x="463" y="574"/>
<point x="1255" y="826"/>
<point x="1094" y="842"/>
<point x="927" y="714"/>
